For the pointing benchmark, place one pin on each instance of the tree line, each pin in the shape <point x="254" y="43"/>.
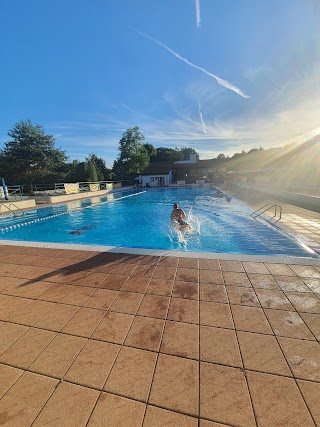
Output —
<point x="30" y="157"/>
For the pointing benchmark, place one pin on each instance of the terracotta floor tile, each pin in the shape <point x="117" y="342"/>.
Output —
<point x="124" y="269"/>
<point x="209" y="264"/>
<point x="214" y="293"/>
<point x="25" y="399"/>
<point x="101" y="299"/>
<point x="263" y="281"/>
<point x="114" y="282"/>
<point x="305" y="271"/>
<point x="8" y="376"/>
<point x="183" y="310"/>
<point x="205" y="423"/>
<point x="224" y="395"/>
<point x="235" y="266"/>
<point x="219" y="345"/>
<point x="145" y="333"/>
<point x="187" y="275"/>
<point x="56" y="318"/>
<point x="157" y="417"/>
<point x="188" y="263"/>
<point x="149" y="260"/>
<point x="78" y="296"/>
<point x="34" y="290"/>
<point x="132" y="373"/>
<point x="181" y="339"/>
<point x="13" y="305"/>
<point x="168" y="261"/>
<point x="56" y="292"/>
<point x="313" y="322"/>
<point x="32" y="312"/>
<point x="84" y="322"/>
<point x="115" y="411"/>
<point x="143" y="271"/>
<point x="113" y="327"/>
<point x="27" y="348"/>
<point x="211" y="276"/>
<point x="250" y="319"/>
<point x="175" y="385"/>
<point x="236" y="279"/>
<point x="9" y="333"/>
<point x="255" y="267"/>
<point x="15" y="286"/>
<point x="136" y="284"/>
<point x="304" y="302"/>
<point x="262" y="353"/>
<point x="187" y="290"/>
<point x="56" y="359"/>
<point x="288" y="324"/>
<point x="71" y="277"/>
<point x="127" y="302"/>
<point x="165" y="273"/>
<point x="311" y="393"/>
<point x="242" y="296"/>
<point x="291" y="283"/>
<point x="270" y="298"/>
<point x="280" y="269"/>
<point x="160" y="287"/>
<point x="313" y="285"/>
<point x="303" y="357"/>
<point x="93" y="364"/>
<point x="74" y="404"/>
<point x="154" y="306"/>
<point x="4" y="298"/>
<point x="94" y="280"/>
<point x="277" y="401"/>
<point x="215" y="314"/>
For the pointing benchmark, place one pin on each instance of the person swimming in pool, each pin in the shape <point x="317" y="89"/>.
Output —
<point x="177" y="216"/>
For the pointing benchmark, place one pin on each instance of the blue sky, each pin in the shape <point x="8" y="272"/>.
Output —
<point x="181" y="70"/>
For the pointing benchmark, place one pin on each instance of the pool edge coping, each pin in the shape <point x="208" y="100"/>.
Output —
<point x="277" y="259"/>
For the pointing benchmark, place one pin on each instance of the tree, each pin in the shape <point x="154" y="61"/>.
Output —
<point x="30" y="155"/>
<point x="104" y="173"/>
<point x="133" y="157"/>
<point x="185" y="152"/>
<point x="221" y="156"/>
<point x="151" y="149"/>
<point x="164" y="154"/>
<point x="91" y="172"/>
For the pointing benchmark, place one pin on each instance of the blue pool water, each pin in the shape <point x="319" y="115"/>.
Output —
<point x="141" y="219"/>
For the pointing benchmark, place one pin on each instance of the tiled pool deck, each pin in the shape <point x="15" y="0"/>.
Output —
<point x="106" y="339"/>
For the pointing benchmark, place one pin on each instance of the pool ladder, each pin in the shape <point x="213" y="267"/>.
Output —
<point x="12" y="211"/>
<point x="265" y="208"/>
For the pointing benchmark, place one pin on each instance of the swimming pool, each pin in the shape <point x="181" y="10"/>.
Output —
<point x="141" y="219"/>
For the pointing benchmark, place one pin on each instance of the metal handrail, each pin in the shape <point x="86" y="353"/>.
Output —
<point x="17" y="209"/>
<point x="266" y="207"/>
<point x="13" y="212"/>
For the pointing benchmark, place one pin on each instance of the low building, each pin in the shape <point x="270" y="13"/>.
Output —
<point x="188" y="171"/>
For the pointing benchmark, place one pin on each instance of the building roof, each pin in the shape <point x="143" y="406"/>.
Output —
<point x="159" y="168"/>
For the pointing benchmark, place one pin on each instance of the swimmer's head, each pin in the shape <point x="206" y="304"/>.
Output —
<point x="175" y="206"/>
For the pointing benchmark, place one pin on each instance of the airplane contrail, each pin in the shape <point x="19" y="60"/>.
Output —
<point x="204" y="128"/>
<point x="220" y="81"/>
<point x="198" y="13"/>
